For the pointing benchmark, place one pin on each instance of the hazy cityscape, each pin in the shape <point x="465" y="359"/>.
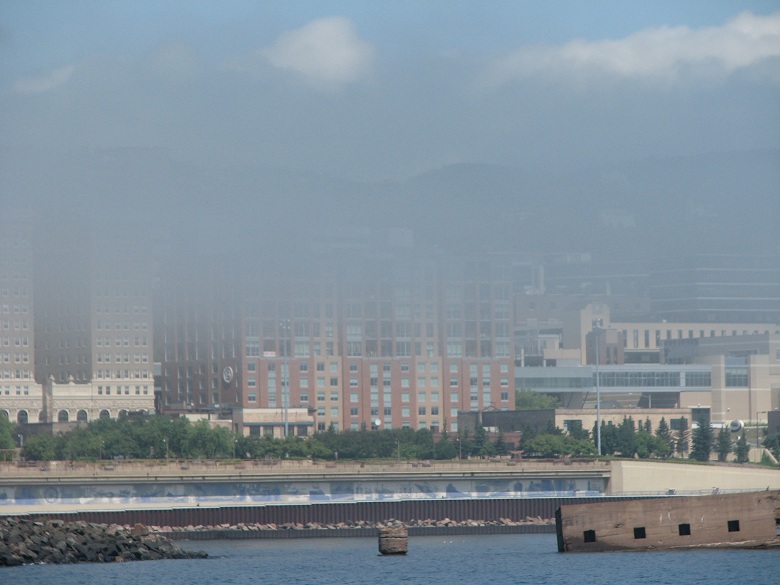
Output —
<point x="287" y="220"/>
<point x="487" y="282"/>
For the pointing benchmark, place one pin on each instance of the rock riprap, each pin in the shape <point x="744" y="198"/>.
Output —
<point x="55" y="541"/>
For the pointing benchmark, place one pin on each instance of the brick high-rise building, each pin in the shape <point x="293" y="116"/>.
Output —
<point x="371" y="340"/>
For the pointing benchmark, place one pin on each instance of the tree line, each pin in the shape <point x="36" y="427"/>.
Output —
<point x="163" y="437"/>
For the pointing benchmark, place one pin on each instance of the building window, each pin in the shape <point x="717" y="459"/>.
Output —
<point x="589" y="536"/>
<point x="733" y="525"/>
<point x="639" y="532"/>
<point x="252" y="397"/>
<point x="684" y="529"/>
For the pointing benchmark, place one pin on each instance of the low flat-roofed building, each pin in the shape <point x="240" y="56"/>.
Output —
<point x="745" y="372"/>
<point x="271" y="422"/>
<point x="621" y="386"/>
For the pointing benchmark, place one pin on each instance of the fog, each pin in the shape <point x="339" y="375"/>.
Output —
<point x="265" y="135"/>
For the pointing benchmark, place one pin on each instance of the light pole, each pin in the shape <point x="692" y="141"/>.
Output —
<point x="758" y="428"/>
<point x="597" y="329"/>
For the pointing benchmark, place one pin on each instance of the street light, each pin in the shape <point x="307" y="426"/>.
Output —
<point x="596" y="324"/>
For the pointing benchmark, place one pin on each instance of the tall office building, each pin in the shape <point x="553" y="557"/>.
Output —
<point x="93" y="322"/>
<point x="18" y="391"/>
<point x="361" y="339"/>
<point x="717" y="288"/>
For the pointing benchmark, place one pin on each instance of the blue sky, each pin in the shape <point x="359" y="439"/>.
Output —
<point x="390" y="89"/>
<point x="40" y="34"/>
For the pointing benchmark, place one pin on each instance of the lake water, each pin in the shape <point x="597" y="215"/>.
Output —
<point x="473" y="560"/>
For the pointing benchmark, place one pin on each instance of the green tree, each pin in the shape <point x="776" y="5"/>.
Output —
<point x="81" y="443"/>
<point x="702" y="441"/>
<point x="556" y="445"/>
<point x="500" y="446"/>
<point x="530" y="400"/>
<point x="626" y="437"/>
<point x="40" y="448"/>
<point x="723" y="443"/>
<point x="665" y="435"/>
<point x="648" y="445"/>
<point x="742" y="449"/>
<point x="682" y="437"/>
<point x="772" y="442"/>
<point x="609" y="438"/>
<point x="546" y="445"/>
<point x="6" y="432"/>
<point x="445" y="450"/>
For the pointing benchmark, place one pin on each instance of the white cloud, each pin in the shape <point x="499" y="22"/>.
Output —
<point x="658" y="54"/>
<point x="44" y="83"/>
<point x="326" y="52"/>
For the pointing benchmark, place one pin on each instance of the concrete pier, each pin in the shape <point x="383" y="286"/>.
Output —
<point x="393" y="540"/>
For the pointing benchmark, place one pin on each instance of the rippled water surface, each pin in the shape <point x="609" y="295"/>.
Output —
<point x="475" y="560"/>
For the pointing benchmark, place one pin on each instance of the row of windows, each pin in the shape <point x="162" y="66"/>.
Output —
<point x="120" y="325"/>
<point x="670" y="334"/>
<point x="17" y="308"/>
<point x="15" y="375"/>
<point x="106" y="390"/>
<point x="16" y="390"/>
<point x="128" y="374"/>
<point x="18" y="324"/>
<point x="126" y="309"/>
<point x="640" y="532"/>
<point x="639" y="379"/>
<point x="138" y="358"/>
<point x="121" y="341"/>
<point x="17" y="291"/>
<point x="620" y="380"/>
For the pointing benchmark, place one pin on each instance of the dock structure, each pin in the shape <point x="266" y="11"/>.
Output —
<point x="746" y="520"/>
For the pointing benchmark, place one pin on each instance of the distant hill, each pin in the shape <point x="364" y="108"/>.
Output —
<point x="719" y="202"/>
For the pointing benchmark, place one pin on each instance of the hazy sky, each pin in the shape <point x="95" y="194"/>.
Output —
<point x="374" y="90"/>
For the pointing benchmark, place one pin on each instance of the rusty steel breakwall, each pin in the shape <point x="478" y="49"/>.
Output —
<point x="334" y="513"/>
